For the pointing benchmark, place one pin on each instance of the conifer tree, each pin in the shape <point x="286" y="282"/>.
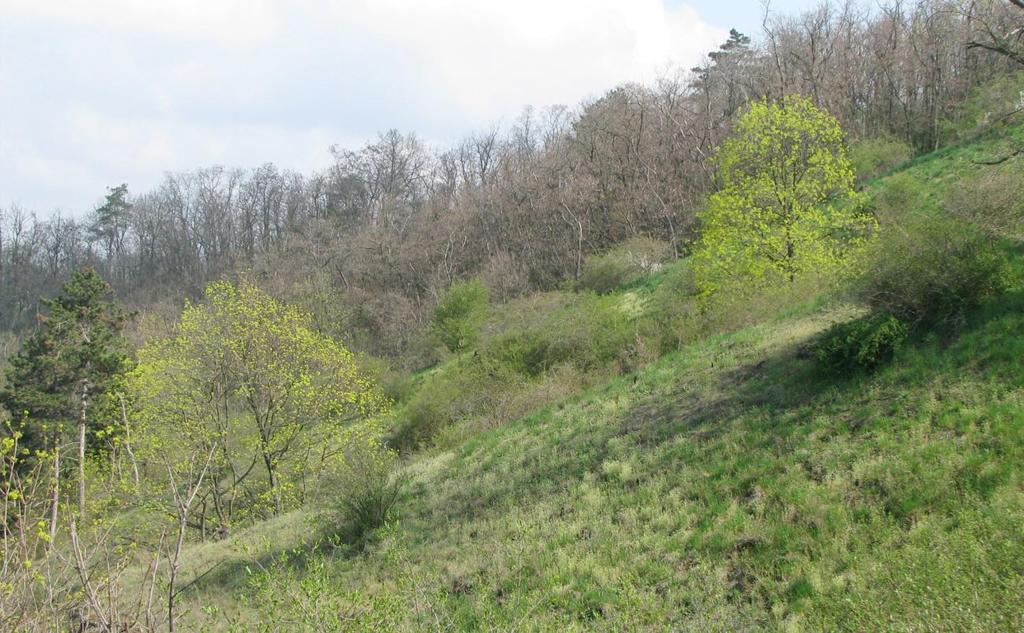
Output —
<point x="72" y="358"/>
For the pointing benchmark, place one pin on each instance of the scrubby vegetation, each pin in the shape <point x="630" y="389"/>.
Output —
<point x="795" y="406"/>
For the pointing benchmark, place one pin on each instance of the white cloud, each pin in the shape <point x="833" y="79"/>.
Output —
<point x="484" y="57"/>
<point x="98" y="92"/>
<point x="226" y="21"/>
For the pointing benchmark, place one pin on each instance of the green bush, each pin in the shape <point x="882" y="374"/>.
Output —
<point x="459" y="315"/>
<point x="528" y="352"/>
<point x="992" y="200"/>
<point x="426" y="414"/>
<point x="469" y="386"/>
<point x="863" y="343"/>
<point x="902" y="196"/>
<point x="588" y="334"/>
<point x="622" y="265"/>
<point x="363" y="486"/>
<point x="872" y="157"/>
<point x="987" y="107"/>
<point x="421" y="420"/>
<point x="671" y="310"/>
<point x="932" y="269"/>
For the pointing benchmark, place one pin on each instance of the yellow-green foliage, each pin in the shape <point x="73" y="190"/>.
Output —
<point x="787" y="205"/>
<point x="249" y="378"/>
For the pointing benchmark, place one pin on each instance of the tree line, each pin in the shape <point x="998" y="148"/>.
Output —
<point x="392" y="224"/>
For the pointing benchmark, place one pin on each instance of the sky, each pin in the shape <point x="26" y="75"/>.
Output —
<point x="94" y="93"/>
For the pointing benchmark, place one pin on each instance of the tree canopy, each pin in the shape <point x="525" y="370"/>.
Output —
<point x="248" y="376"/>
<point x="78" y="345"/>
<point x="786" y="205"/>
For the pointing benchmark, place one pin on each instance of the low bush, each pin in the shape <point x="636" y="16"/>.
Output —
<point x="992" y="200"/>
<point x="863" y="343"/>
<point x="931" y="269"/>
<point x="472" y="385"/>
<point x="622" y="265"/>
<point x="872" y="157"/>
<point x="588" y="335"/>
<point x="529" y="352"/>
<point x="460" y="313"/>
<point x="363" y="486"/>
<point x="420" y="420"/>
<point x="671" y="310"/>
<point x="902" y="196"/>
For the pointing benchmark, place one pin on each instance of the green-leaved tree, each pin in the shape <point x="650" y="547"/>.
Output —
<point x="248" y="381"/>
<point x="787" y="204"/>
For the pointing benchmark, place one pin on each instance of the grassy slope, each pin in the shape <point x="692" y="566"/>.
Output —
<point x="727" y="486"/>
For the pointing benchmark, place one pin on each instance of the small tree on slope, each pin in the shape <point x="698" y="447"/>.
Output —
<point x="249" y="377"/>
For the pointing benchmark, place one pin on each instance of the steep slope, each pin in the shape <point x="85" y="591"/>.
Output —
<point x="726" y="486"/>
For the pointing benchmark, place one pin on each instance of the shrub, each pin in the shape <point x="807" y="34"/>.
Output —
<point x="987" y="107"/>
<point x="398" y="386"/>
<point x="528" y="352"/>
<point x="588" y="333"/>
<point x="872" y="157"/>
<point x="902" y="196"/>
<point x="472" y="385"/>
<point x="363" y="487"/>
<point x="420" y="420"/>
<point x="992" y="200"/>
<point x="671" y="309"/>
<point x="932" y="269"/>
<point x="460" y="313"/>
<point x="622" y="265"/>
<point x="862" y="343"/>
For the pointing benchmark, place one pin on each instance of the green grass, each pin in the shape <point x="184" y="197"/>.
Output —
<point x="730" y="485"/>
<point x="725" y="487"/>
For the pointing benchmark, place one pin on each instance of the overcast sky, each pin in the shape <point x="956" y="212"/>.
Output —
<point x="94" y="93"/>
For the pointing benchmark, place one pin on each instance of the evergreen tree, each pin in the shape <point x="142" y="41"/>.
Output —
<point x="109" y="225"/>
<point x="72" y="358"/>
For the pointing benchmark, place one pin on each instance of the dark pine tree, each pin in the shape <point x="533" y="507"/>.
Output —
<point x="75" y="354"/>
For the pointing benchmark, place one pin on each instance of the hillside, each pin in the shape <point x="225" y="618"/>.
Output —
<point x="729" y="341"/>
<point x="727" y="485"/>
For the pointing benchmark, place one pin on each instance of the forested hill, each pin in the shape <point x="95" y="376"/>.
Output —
<point x="738" y="350"/>
<point x="392" y="224"/>
<point x="787" y="460"/>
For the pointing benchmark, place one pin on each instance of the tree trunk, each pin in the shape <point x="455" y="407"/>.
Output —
<point x="172" y="592"/>
<point x="128" y="441"/>
<point x="268" y="461"/>
<point x="84" y="404"/>
<point x="55" y="498"/>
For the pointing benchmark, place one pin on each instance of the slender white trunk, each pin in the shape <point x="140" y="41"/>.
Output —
<point x="128" y="440"/>
<point x="84" y="403"/>
<point x="55" y="497"/>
